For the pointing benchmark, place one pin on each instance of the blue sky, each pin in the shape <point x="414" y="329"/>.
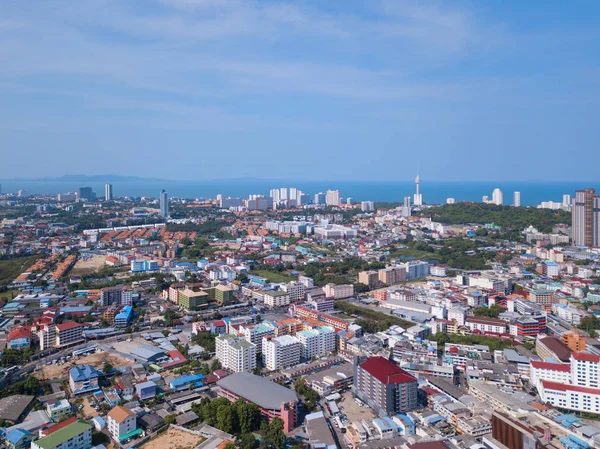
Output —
<point x="336" y="89"/>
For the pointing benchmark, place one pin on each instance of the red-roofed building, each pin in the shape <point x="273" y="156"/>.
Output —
<point x="53" y="428"/>
<point x="177" y="358"/>
<point x="570" y="397"/>
<point x="554" y="372"/>
<point x="68" y="333"/>
<point x="386" y="387"/>
<point x="19" y="338"/>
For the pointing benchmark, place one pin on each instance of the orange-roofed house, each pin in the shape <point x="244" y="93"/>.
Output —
<point x="121" y="423"/>
<point x="19" y="338"/>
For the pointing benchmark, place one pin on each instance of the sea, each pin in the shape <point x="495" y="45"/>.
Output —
<point x="532" y="192"/>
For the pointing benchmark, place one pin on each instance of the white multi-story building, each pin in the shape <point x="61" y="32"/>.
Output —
<point x="235" y="353"/>
<point x="517" y="199"/>
<point x="316" y="342"/>
<point x="585" y="369"/>
<point x="281" y="352"/>
<point x="295" y="290"/>
<point x="47" y="336"/>
<point x="68" y="333"/>
<point x="339" y="291"/>
<point x="121" y="422"/>
<point x="306" y="281"/>
<point x="570" y="397"/>
<point x="332" y="198"/>
<point x="457" y="314"/>
<point x="367" y="206"/>
<point x="497" y="197"/>
<point x="59" y="409"/>
<point x="486" y="325"/>
<point x="77" y="435"/>
<point x="553" y="372"/>
<point x="276" y="298"/>
<point x="437" y="270"/>
<point x="254" y="333"/>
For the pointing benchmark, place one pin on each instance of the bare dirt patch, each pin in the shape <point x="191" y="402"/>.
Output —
<point x="88" y="411"/>
<point x="60" y="371"/>
<point x="88" y="266"/>
<point x="174" y="438"/>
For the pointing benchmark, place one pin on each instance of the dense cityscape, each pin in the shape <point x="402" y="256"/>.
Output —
<point x="294" y="319"/>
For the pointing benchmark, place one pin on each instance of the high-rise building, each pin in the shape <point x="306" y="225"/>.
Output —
<point x="86" y="194"/>
<point x="283" y="193"/>
<point x="384" y="386"/>
<point x="450" y="201"/>
<point x="319" y="198"/>
<point x="585" y="214"/>
<point x="332" y="198"/>
<point x="293" y="193"/>
<point x="418" y="200"/>
<point x="274" y="194"/>
<point x="367" y="206"/>
<point x="349" y="200"/>
<point x="497" y="197"/>
<point x="517" y="199"/>
<point x="108" y="192"/>
<point x="281" y="352"/>
<point x="235" y="353"/>
<point x="566" y="202"/>
<point x="164" y="204"/>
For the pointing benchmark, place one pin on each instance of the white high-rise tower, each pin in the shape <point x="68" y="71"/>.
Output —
<point x="497" y="197"/>
<point x="517" y="199"/>
<point x="418" y="200"/>
<point x="108" y="192"/>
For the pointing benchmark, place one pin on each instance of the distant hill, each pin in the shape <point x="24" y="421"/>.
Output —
<point x="90" y="178"/>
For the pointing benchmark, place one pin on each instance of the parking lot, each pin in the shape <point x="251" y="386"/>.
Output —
<point x="352" y="410"/>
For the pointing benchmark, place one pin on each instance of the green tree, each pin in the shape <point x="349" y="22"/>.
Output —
<point x="107" y="368"/>
<point x="225" y="418"/>
<point x="247" y="441"/>
<point x="169" y="419"/>
<point x="274" y="435"/>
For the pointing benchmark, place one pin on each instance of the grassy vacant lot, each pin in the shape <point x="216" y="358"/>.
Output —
<point x="414" y="253"/>
<point x="371" y="320"/>
<point x="8" y="295"/>
<point x="11" y="268"/>
<point x="273" y="276"/>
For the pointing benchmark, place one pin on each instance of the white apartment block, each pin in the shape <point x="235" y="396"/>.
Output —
<point x="281" y="352"/>
<point x="59" y="409"/>
<point x="120" y="422"/>
<point x="254" y="333"/>
<point x="584" y="369"/>
<point x="295" y="290"/>
<point x="306" y="281"/>
<point x="553" y="372"/>
<point x="68" y="333"/>
<point x="486" y="325"/>
<point x="47" y="336"/>
<point x="457" y="314"/>
<point x="339" y="291"/>
<point x="276" y="298"/>
<point x="316" y="342"/>
<point x="235" y="353"/>
<point x="570" y="397"/>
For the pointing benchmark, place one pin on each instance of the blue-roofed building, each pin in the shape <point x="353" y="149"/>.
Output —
<point x="19" y="438"/>
<point x="83" y="379"/>
<point x="202" y="263"/>
<point x="123" y="318"/>
<point x="186" y="382"/>
<point x="384" y="428"/>
<point x="12" y="308"/>
<point x="405" y="423"/>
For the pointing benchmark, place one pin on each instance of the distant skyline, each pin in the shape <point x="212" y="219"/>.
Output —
<point x="305" y="90"/>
